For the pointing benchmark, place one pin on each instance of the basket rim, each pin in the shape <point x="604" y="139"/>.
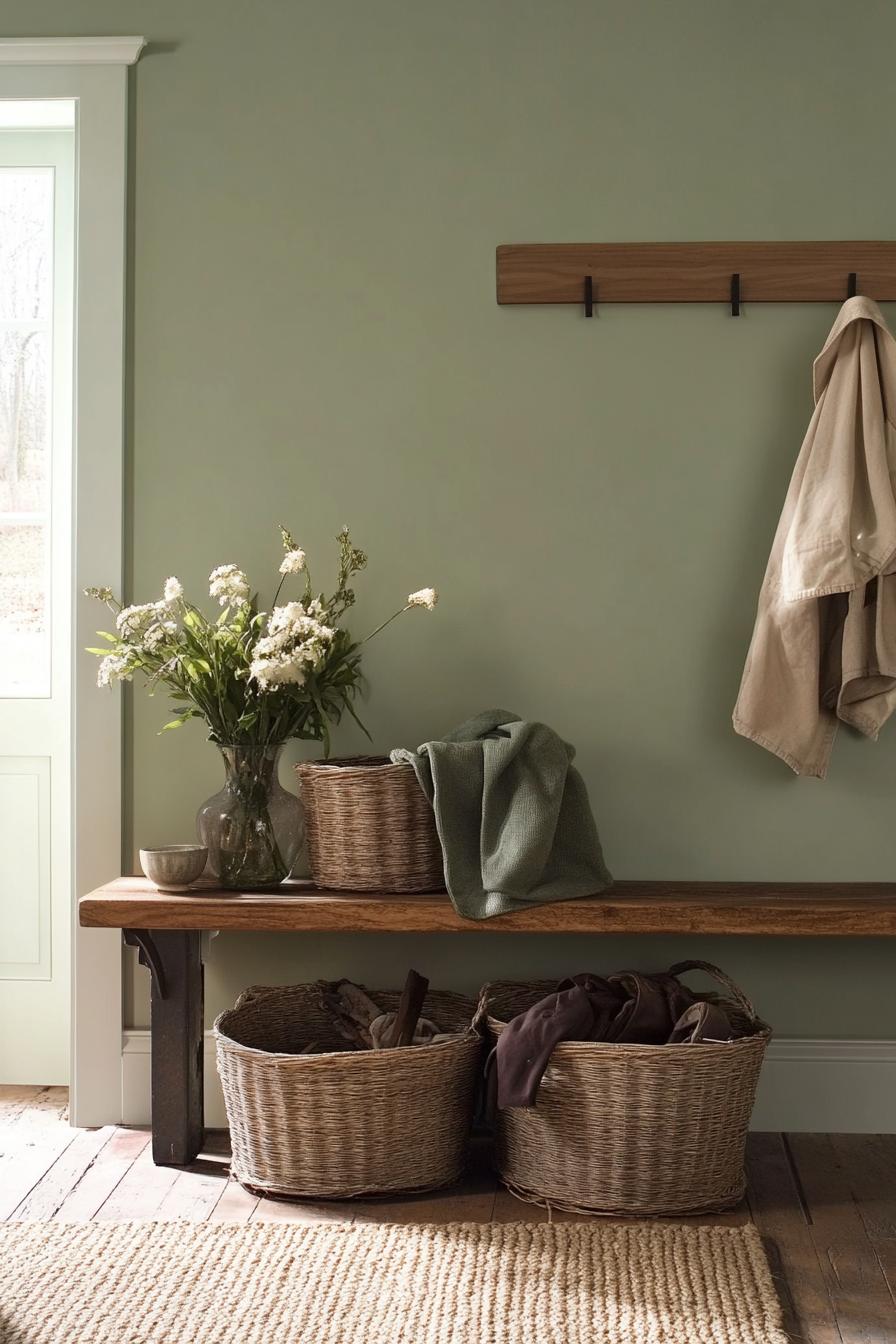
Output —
<point x="764" y="1033"/>
<point x="458" y="1038"/>
<point x="343" y="765"/>
<point x="471" y="1030"/>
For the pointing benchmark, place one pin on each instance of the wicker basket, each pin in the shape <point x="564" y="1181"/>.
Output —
<point x="370" y="826"/>
<point x="633" y="1129"/>
<point x="330" y="1126"/>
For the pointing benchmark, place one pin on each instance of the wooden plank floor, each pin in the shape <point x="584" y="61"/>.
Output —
<point x="826" y="1204"/>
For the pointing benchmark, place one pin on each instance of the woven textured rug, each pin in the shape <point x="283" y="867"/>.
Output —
<point x="462" y="1283"/>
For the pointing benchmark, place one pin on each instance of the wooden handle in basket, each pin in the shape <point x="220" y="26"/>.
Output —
<point x="410" y="1007"/>
<point x="481" y="1012"/>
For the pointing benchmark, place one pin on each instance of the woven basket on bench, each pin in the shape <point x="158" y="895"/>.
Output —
<point x="350" y="1122"/>
<point x="633" y="1129"/>
<point x="370" y="826"/>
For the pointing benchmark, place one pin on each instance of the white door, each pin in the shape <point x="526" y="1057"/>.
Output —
<point x="37" y="216"/>
<point x="92" y="75"/>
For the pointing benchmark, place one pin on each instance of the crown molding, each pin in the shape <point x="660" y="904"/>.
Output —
<point x="70" y="50"/>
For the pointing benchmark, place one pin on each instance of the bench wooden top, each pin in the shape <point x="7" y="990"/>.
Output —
<point x="833" y="909"/>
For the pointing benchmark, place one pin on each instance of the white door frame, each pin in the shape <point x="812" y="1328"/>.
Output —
<point x="93" y="72"/>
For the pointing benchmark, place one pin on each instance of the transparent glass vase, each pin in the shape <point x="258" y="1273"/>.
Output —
<point x="253" y="827"/>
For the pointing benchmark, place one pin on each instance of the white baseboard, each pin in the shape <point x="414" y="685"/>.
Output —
<point x="835" y="1087"/>
<point x="828" y="1087"/>
<point x="135" y="1085"/>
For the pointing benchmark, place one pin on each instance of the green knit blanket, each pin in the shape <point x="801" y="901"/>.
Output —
<point x="512" y="814"/>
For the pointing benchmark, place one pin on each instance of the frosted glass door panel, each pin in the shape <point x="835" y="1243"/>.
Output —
<point x="26" y="312"/>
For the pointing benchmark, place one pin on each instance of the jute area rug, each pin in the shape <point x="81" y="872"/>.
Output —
<point x="462" y="1283"/>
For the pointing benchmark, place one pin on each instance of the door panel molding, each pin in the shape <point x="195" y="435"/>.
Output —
<point x="26" y="912"/>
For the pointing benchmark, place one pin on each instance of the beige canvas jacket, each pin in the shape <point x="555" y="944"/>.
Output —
<point x="824" y="644"/>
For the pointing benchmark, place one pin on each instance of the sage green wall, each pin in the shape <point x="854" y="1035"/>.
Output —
<point x="318" y="190"/>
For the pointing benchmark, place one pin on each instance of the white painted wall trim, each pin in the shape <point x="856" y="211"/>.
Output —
<point x="99" y="89"/>
<point x="135" y="1086"/>
<point x="842" y="1087"/>
<point x="70" y="50"/>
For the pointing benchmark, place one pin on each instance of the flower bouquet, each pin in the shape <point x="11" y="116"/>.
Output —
<point x="257" y="678"/>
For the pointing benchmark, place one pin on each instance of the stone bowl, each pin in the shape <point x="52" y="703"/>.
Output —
<point x="174" y="867"/>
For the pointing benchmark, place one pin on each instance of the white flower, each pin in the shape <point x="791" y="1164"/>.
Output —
<point x="296" y="620"/>
<point x="425" y="597"/>
<point x="158" y="632"/>
<point x="114" y="667"/>
<point x="275" y="671"/>
<point x="174" y="590"/>
<point x="295" y="643"/>
<point x="229" y="585"/>
<point x="145" y="625"/>
<point x="133" y="622"/>
<point x="293" y="562"/>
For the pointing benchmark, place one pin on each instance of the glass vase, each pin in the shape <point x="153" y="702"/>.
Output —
<point x="253" y="827"/>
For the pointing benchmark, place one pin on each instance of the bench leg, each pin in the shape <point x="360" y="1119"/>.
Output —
<point x="174" y="959"/>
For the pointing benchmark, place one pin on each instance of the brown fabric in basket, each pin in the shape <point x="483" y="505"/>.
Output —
<point x="523" y="1050"/>
<point x="630" y="1007"/>
<point x="701" y="1022"/>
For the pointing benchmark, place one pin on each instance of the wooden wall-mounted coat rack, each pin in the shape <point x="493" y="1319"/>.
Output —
<point x="730" y="273"/>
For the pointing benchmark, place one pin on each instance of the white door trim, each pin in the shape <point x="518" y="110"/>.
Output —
<point x="100" y="91"/>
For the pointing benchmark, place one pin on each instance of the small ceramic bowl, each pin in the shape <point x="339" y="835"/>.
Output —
<point x="173" y="867"/>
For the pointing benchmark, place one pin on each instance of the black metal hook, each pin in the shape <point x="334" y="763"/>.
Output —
<point x="735" y="294"/>
<point x="852" y="285"/>
<point x="589" y="296"/>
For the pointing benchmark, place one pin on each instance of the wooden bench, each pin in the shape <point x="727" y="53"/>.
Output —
<point x="168" y="931"/>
